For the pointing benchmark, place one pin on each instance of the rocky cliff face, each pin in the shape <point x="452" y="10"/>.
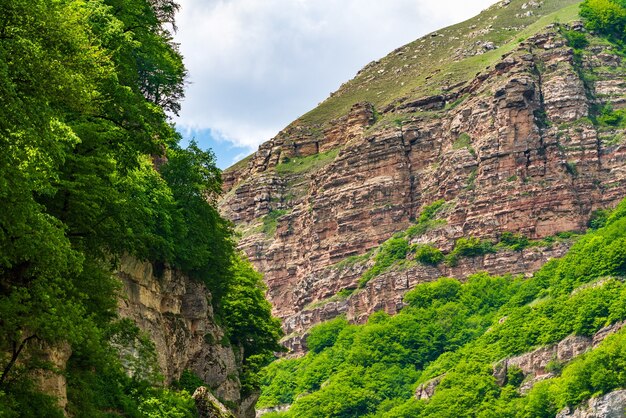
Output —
<point x="611" y="405"/>
<point x="511" y="149"/>
<point x="176" y="314"/>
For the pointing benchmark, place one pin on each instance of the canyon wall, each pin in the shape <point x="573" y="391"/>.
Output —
<point x="175" y="312"/>
<point x="511" y="149"/>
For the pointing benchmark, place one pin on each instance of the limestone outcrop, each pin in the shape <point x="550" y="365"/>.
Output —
<point x="611" y="405"/>
<point x="208" y="406"/>
<point x="176" y="314"/>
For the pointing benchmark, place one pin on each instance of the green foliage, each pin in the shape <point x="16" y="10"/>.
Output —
<point x="90" y="172"/>
<point x="516" y="242"/>
<point x="325" y="334"/>
<point x="428" y="254"/>
<point x="270" y="221"/>
<point x="514" y="375"/>
<point x="610" y="117"/>
<point x="575" y="39"/>
<point x="249" y="322"/>
<point x="469" y="247"/>
<point x="189" y="382"/>
<point x="458" y="331"/>
<point x="426" y="219"/>
<point x="429" y="211"/>
<point x="598" y="218"/>
<point x="443" y="291"/>
<point x="168" y="404"/>
<point x="393" y="250"/>
<point x="607" y="17"/>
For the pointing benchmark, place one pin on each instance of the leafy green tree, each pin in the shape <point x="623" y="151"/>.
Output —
<point x="91" y="171"/>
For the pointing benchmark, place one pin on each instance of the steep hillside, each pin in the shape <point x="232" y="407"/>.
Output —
<point x="494" y="346"/>
<point x="482" y="147"/>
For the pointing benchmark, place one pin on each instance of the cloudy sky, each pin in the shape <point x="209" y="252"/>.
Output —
<point x="256" y="65"/>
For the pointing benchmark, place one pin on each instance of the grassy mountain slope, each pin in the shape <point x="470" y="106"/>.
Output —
<point x="441" y="60"/>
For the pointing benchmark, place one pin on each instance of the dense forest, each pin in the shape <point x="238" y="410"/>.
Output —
<point x="452" y="339"/>
<point x="91" y="170"/>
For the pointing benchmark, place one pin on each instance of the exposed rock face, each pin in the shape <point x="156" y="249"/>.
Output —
<point x="279" y="408"/>
<point x="53" y="381"/>
<point x="208" y="406"/>
<point x="427" y="390"/>
<point x="534" y="364"/>
<point x="611" y="405"/>
<point x="517" y="153"/>
<point x="176" y="313"/>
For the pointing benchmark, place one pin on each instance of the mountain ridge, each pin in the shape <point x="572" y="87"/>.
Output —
<point x="498" y="151"/>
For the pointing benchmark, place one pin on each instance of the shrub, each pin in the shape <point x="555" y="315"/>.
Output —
<point x="188" y="381"/>
<point x="428" y="254"/>
<point x="394" y="249"/>
<point x="575" y="39"/>
<point x="516" y="242"/>
<point x="514" y="376"/>
<point x="598" y="218"/>
<point x="469" y="247"/>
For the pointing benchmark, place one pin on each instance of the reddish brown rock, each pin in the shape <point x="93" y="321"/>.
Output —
<point x="516" y="154"/>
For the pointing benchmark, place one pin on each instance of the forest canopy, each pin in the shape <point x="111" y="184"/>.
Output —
<point x="92" y="169"/>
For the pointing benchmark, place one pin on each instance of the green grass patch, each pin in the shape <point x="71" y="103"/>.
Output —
<point x="299" y="165"/>
<point x="270" y="221"/>
<point x="463" y="141"/>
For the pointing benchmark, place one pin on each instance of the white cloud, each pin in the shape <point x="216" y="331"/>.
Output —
<point x="256" y="65"/>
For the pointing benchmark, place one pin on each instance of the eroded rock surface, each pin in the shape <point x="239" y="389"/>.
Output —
<point x="176" y="313"/>
<point x="511" y="150"/>
<point x="208" y="406"/>
<point x="611" y="405"/>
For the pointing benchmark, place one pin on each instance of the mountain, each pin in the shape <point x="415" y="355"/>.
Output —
<point x="488" y="146"/>
<point x="492" y="116"/>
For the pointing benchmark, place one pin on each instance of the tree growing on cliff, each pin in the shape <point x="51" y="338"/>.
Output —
<point x="607" y="17"/>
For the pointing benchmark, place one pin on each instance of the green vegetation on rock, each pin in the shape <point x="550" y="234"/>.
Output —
<point x="307" y="164"/>
<point x="459" y="332"/>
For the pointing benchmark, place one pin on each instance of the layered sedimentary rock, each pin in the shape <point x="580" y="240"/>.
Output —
<point x="512" y="149"/>
<point x="175" y="313"/>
